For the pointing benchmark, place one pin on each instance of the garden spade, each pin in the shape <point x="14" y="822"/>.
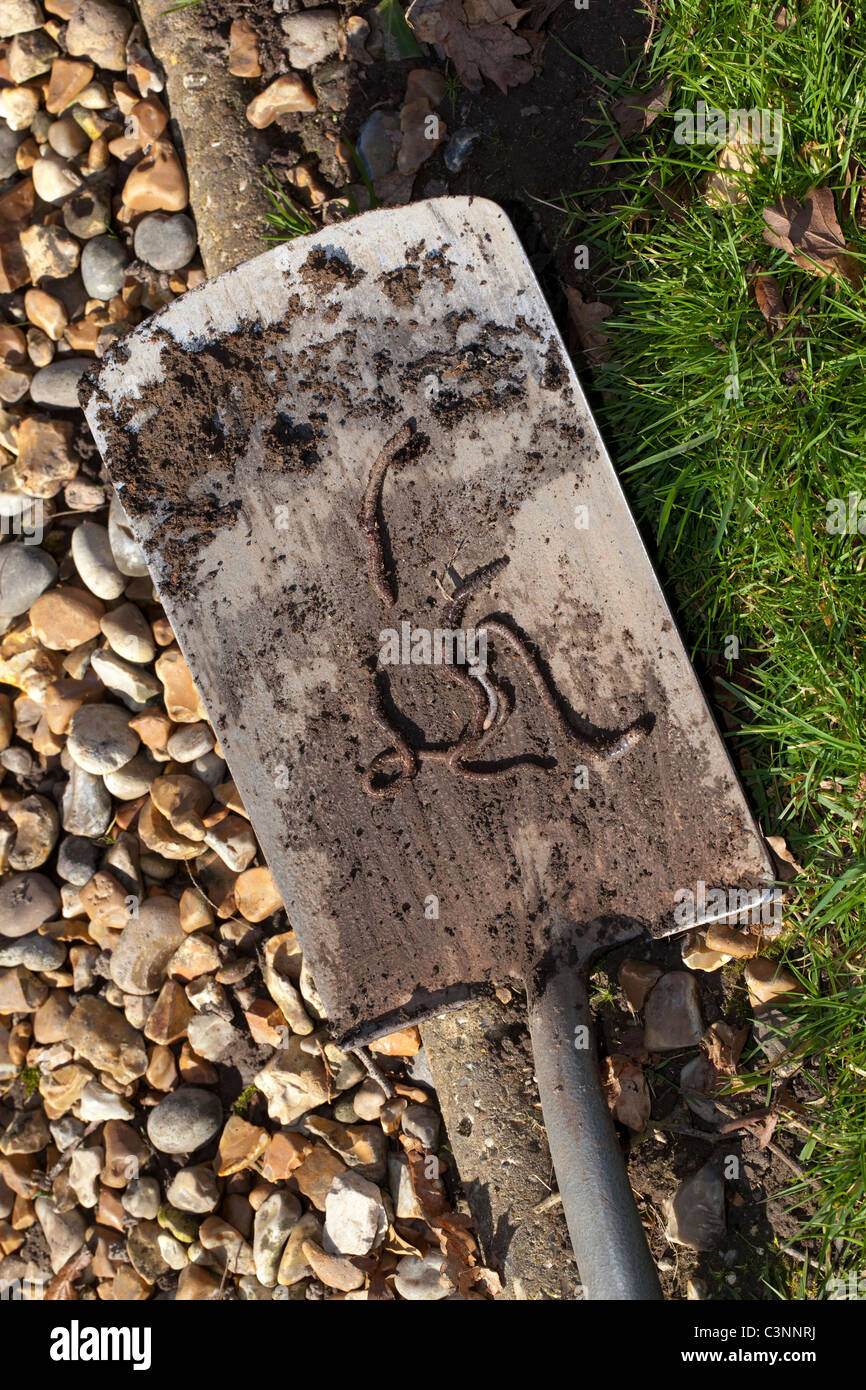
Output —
<point x="397" y="559"/>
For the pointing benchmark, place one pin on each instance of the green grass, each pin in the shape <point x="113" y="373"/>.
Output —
<point x="733" y="492"/>
<point x="287" y="219"/>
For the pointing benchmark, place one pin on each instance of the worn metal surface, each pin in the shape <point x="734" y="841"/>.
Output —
<point x="606" y="1231"/>
<point x="427" y="312"/>
<point x="207" y="103"/>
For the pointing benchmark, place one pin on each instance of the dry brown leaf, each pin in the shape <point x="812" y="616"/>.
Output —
<point x="783" y="19"/>
<point x="636" y="112"/>
<point x="723" y="1045"/>
<point x="450" y="1228"/>
<point x="627" y="1093"/>
<point x="492" y="12"/>
<point x="811" y="235"/>
<point x="484" y="50"/>
<point x="726" y="185"/>
<point x="785" y="857"/>
<point x="585" y="320"/>
<point x="771" y="303"/>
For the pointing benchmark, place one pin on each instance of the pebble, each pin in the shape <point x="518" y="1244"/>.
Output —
<point x="355" y="1218"/>
<point x="767" y="980"/>
<point x="459" y="148"/>
<point x="378" y="140"/>
<point x="146" y="945"/>
<point x="132" y="780"/>
<point x="274" y="1221"/>
<point x="124" y="547"/>
<point x="100" y="739"/>
<point x="293" y="1082"/>
<point x="102" y="1036"/>
<point x="123" y="676"/>
<point x="368" y="1100"/>
<point x="421" y="1280"/>
<point x="103" y="266"/>
<point x="30" y="55"/>
<point x="54" y="178"/>
<point x="64" y="618"/>
<point x="46" y="312"/>
<point x="98" y="30"/>
<point x="697" y="955"/>
<point x="77" y="856"/>
<point x="57" y="385"/>
<point x="194" y="1189"/>
<point x="86" y="807"/>
<point x="84" y="1169"/>
<point x="211" y="1037"/>
<point x="157" y="183"/>
<point x="9" y="142"/>
<point x="33" y="951"/>
<point x="672" y="1017"/>
<point x="142" y="1198"/>
<point x="19" y="16"/>
<point x="636" y="979"/>
<point x="256" y="894"/>
<point x="422" y="1122"/>
<point x="49" y="252"/>
<point x="26" y="901"/>
<point x="97" y="1104"/>
<point x="166" y="243"/>
<point x="184" y="1120"/>
<point x="696" y="1212"/>
<point x="311" y="37"/>
<point x="189" y="742"/>
<point x="284" y="95"/>
<point x="293" y="1265"/>
<point x="128" y="634"/>
<point x="64" y="1232"/>
<point x="66" y="138"/>
<point x="25" y="572"/>
<point x="87" y="213"/>
<point x="37" y="828"/>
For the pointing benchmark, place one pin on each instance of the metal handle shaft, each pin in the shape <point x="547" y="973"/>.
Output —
<point x="606" y="1232"/>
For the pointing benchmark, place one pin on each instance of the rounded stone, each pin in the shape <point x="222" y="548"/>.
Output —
<point x="185" y="1120"/>
<point x="133" y="779"/>
<point x="128" y="634"/>
<point x="103" y="266"/>
<point x="34" y="952"/>
<point x="25" y="573"/>
<point x="26" y="901"/>
<point x="57" y="384"/>
<point x="9" y="142"/>
<point x="87" y="213"/>
<point x="189" y="742"/>
<point x="54" y="178"/>
<point x="77" y="859"/>
<point x="66" y="138"/>
<point x="146" y="945"/>
<point x="91" y="551"/>
<point x="165" y="242"/>
<point x="100" y="739"/>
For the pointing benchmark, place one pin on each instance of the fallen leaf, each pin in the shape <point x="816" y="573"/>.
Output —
<point x="781" y="852"/>
<point x="636" y="112"/>
<point x="723" y="1045"/>
<point x="482" y="50"/>
<point x="811" y="235"/>
<point x="450" y="1228"/>
<point x="585" y="320"/>
<point x="492" y="12"/>
<point x="627" y="1093"/>
<point x="783" y="19"/>
<point x="726" y="185"/>
<point x="771" y="303"/>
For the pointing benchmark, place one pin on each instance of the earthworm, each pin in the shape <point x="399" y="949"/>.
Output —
<point x="469" y="586"/>
<point x="369" y="515"/>
<point x="602" y="745"/>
